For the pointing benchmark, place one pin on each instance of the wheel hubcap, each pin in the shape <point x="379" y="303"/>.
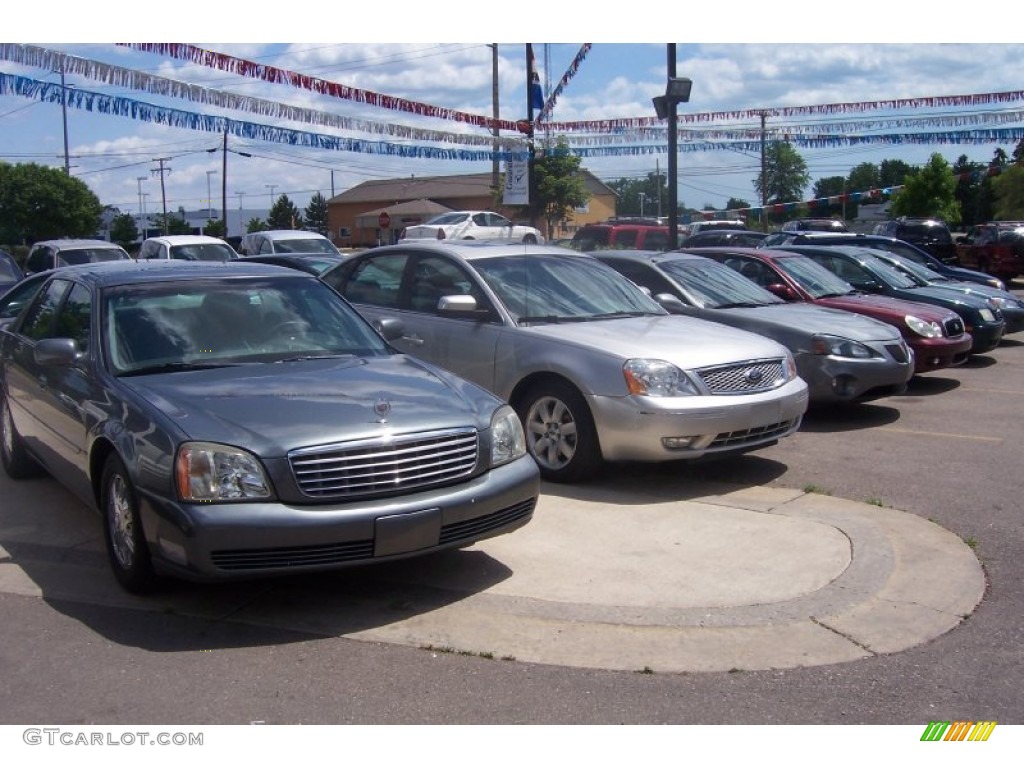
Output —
<point x="121" y="522"/>
<point x="551" y="433"/>
<point x="8" y="430"/>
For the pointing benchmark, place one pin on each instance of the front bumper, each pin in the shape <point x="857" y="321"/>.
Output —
<point x="943" y="352"/>
<point x="656" y="428"/>
<point x="832" y="379"/>
<point x="214" y="542"/>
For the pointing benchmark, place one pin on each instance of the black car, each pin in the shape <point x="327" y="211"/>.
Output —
<point x="889" y="244"/>
<point x="862" y="269"/>
<point x="931" y="235"/>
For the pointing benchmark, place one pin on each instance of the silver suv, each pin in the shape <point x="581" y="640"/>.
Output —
<point x="286" y="241"/>
<point x="50" y="254"/>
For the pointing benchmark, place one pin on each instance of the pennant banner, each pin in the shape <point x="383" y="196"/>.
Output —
<point x="267" y="73"/>
<point x="569" y="75"/>
<point x="89" y="101"/>
<point x="120" y="77"/>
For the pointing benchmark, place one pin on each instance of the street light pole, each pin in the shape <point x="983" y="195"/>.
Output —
<point x="677" y="90"/>
<point x="64" y="112"/>
<point x="209" y="195"/>
<point x="271" y="187"/>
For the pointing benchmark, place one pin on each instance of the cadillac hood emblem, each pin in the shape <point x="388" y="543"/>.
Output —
<point x="382" y="408"/>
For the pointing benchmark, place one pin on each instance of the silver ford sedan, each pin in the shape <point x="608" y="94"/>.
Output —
<point x="843" y="357"/>
<point x="236" y="420"/>
<point x="596" y="369"/>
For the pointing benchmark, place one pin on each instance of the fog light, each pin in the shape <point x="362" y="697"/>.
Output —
<point x="691" y="442"/>
<point x="843" y="385"/>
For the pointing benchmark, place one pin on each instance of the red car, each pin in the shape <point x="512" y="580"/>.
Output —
<point x="936" y="335"/>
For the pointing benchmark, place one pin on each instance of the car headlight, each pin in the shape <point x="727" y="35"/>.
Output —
<point x="508" y="442"/>
<point x="999" y="302"/>
<point x="987" y="315"/>
<point x="657" y="378"/>
<point x="214" y="472"/>
<point x="995" y="282"/>
<point x="823" y="344"/>
<point x="923" y="328"/>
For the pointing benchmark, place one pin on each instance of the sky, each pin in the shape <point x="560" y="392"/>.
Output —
<point x="762" y="60"/>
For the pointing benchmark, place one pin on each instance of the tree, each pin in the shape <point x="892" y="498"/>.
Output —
<point x="640" y="197"/>
<point x="973" y="191"/>
<point x="175" y="224"/>
<point x="284" y="215"/>
<point x="256" y="225"/>
<point x="556" y="185"/>
<point x="864" y="178"/>
<point x="929" y="191"/>
<point x="893" y="173"/>
<point x="316" y="214"/>
<point x="42" y="203"/>
<point x="1008" y="188"/>
<point x="123" y="230"/>
<point x="785" y="174"/>
<point x="830" y="186"/>
<point x="214" y="228"/>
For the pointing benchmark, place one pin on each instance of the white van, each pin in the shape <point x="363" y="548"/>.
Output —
<point x="286" y="241"/>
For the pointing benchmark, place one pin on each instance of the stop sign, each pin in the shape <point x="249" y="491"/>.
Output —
<point x="384" y="221"/>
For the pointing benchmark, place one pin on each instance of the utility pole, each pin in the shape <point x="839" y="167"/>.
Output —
<point x="673" y="158"/>
<point x="209" y="195"/>
<point x="140" y="179"/>
<point x="271" y="187"/>
<point x="764" y="177"/>
<point x="163" y="191"/>
<point x="495" y="111"/>
<point x="64" y="112"/>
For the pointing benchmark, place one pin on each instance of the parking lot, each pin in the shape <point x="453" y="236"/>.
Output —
<point x="353" y="647"/>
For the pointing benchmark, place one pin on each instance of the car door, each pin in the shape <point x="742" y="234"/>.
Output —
<point x="409" y="285"/>
<point x="48" y="401"/>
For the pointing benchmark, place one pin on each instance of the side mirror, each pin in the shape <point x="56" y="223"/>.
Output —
<point x="390" y="328"/>
<point x="783" y="291"/>
<point x="56" y="352"/>
<point x="671" y="304"/>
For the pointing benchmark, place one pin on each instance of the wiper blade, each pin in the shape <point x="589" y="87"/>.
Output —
<point x="738" y="305"/>
<point x="174" y="367"/>
<point x="551" y="319"/>
<point x="325" y="356"/>
<point x="613" y="315"/>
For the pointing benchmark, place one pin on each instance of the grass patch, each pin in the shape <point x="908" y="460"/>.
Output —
<point x="812" y="488"/>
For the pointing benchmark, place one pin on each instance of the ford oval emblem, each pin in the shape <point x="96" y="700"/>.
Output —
<point x="382" y="408"/>
<point x="752" y="376"/>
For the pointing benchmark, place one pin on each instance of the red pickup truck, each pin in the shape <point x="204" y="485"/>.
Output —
<point x="996" y="247"/>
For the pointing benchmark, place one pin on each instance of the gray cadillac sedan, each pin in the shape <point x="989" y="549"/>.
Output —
<point x="236" y="420"/>
<point x="596" y="369"/>
<point x="843" y="357"/>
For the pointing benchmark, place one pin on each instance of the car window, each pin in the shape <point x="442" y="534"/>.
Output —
<point x="38" y="321"/>
<point x="40" y="259"/>
<point x="73" y="320"/>
<point x="625" y="238"/>
<point x="202" y="252"/>
<point x="655" y="240"/>
<point x="643" y="275"/>
<point x="89" y="255"/>
<point x="434" y="277"/>
<point x="376" y="281"/>
<point x="9" y="269"/>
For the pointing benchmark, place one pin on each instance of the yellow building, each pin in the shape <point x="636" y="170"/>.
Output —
<point x="376" y="212"/>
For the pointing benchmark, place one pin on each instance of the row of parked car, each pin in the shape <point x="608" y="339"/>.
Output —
<point x="231" y="419"/>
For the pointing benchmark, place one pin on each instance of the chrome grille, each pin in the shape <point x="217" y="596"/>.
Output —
<point x="385" y="465"/>
<point x="954" y="327"/>
<point x="739" y="379"/>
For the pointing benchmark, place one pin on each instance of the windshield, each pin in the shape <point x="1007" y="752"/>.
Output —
<point x="553" y="288"/>
<point x="929" y="233"/>
<point x="448" y="218"/>
<point x="890" y="274"/>
<point x="305" y="245"/>
<point x="716" y="286"/>
<point x="9" y="269"/>
<point x="203" y="252"/>
<point x="90" y="255"/>
<point x="201" y="323"/>
<point x="920" y="271"/>
<point x="812" y="277"/>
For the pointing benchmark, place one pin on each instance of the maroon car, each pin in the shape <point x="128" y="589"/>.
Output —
<point x="936" y="335"/>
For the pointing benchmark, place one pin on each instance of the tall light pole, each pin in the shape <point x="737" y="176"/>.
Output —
<point x="271" y="187"/>
<point x="141" y="179"/>
<point x="677" y="91"/>
<point x="209" y="195"/>
<point x="642" y="197"/>
<point x="64" y="112"/>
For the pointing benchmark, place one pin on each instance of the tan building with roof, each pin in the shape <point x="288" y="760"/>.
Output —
<point x="354" y="217"/>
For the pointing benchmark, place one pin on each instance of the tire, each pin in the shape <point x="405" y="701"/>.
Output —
<point x="530" y="239"/>
<point x="122" y="530"/>
<point x="18" y="464"/>
<point x="560" y="432"/>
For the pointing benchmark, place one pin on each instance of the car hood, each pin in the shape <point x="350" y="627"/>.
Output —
<point x="273" y="408"/>
<point x="888" y="306"/>
<point x="684" y="341"/>
<point x="808" y="318"/>
<point x="948" y="296"/>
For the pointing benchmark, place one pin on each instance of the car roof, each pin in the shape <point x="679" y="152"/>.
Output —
<point x="281" y="234"/>
<point x="108" y="273"/>
<point x="183" y="239"/>
<point x="471" y="250"/>
<point x="68" y="243"/>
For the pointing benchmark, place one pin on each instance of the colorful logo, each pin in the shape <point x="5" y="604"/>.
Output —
<point x="958" y="730"/>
